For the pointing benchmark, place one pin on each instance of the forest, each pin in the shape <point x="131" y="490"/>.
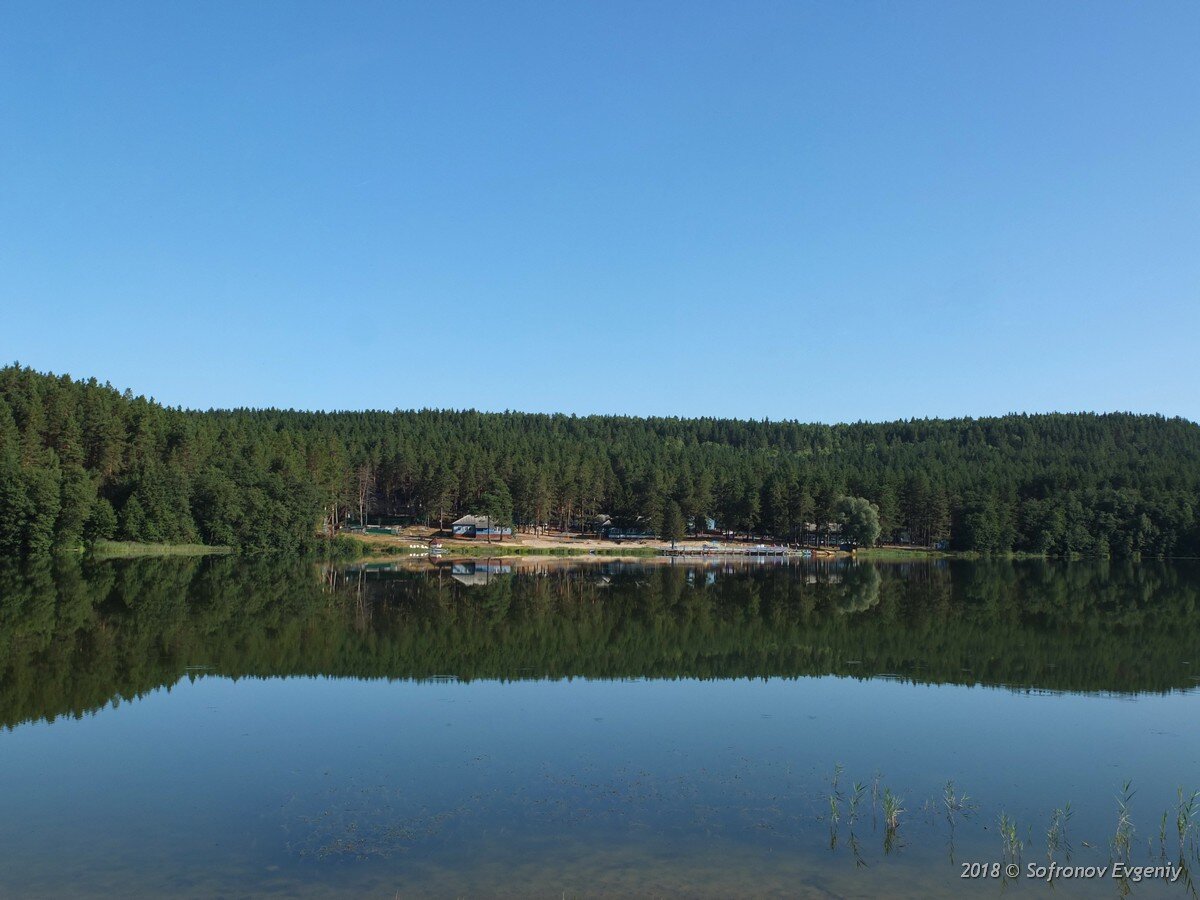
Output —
<point x="81" y="461"/>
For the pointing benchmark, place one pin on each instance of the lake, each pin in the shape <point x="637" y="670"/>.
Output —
<point x="245" y="728"/>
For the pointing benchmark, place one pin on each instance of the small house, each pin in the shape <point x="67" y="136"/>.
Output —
<point x="628" y="533"/>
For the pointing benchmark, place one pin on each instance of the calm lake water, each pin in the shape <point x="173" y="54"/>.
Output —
<point x="221" y="727"/>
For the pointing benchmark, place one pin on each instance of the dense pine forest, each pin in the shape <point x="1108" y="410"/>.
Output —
<point x="81" y="461"/>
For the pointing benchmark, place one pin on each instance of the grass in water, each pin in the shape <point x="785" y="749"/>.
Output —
<point x="1122" y="841"/>
<point x="1056" y="835"/>
<point x="1185" y="819"/>
<point x="1012" y="843"/>
<point x="860" y="791"/>
<point x="892" y="810"/>
<point x="835" y="795"/>
<point x="956" y="804"/>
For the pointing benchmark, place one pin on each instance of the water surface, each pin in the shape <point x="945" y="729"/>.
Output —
<point x="235" y="728"/>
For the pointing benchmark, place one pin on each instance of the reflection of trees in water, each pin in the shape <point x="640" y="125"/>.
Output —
<point x="859" y="590"/>
<point x="74" y="636"/>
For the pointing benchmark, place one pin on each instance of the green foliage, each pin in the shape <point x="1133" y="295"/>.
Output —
<point x="1114" y="485"/>
<point x="43" y="501"/>
<point x="78" y="496"/>
<point x="1008" y="834"/>
<point x="859" y="519"/>
<point x="14" y="507"/>
<point x="672" y="523"/>
<point x="342" y="548"/>
<point x="134" y="526"/>
<point x="498" y="503"/>
<point x="102" y="549"/>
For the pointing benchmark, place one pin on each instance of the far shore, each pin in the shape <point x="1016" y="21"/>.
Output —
<point x="414" y="540"/>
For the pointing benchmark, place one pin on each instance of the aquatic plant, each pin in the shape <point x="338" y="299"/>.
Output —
<point x="1012" y="843"/>
<point x="891" y="809"/>
<point x="1185" y="818"/>
<point x="1122" y="841"/>
<point x="956" y="804"/>
<point x="856" y="797"/>
<point x="1056" y="835"/>
<point x="835" y="796"/>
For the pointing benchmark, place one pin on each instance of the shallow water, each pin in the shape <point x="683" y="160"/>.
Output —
<point x="225" y="728"/>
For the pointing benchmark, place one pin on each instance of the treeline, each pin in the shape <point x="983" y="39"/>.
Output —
<point x="80" y="461"/>
<point x="76" y="635"/>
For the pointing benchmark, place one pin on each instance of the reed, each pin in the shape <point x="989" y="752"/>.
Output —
<point x="892" y="808"/>
<point x="856" y="797"/>
<point x="1012" y="843"/>
<point x="956" y="804"/>
<point x="1122" y="841"/>
<point x="1185" y="819"/>
<point x="835" y="795"/>
<point x="1057" y="836"/>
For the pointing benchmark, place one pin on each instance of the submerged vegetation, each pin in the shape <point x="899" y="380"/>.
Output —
<point x="82" y="462"/>
<point x="1122" y="864"/>
<point x="370" y="821"/>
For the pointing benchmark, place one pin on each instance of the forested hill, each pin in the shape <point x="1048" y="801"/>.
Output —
<point x="80" y="460"/>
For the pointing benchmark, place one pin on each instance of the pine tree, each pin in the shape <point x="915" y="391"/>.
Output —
<point x="101" y="522"/>
<point x="78" y="494"/>
<point x="133" y="521"/>
<point x="498" y="504"/>
<point x="672" y="522"/>
<point x="14" y="506"/>
<point x="43" y="491"/>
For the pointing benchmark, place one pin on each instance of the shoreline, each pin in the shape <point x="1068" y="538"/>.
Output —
<point x="134" y="549"/>
<point x="415" y="541"/>
<point x="413" y="546"/>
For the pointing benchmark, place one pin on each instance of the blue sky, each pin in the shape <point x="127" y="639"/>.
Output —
<point x="822" y="211"/>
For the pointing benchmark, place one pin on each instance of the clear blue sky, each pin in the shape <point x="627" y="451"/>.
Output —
<point x="822" y="211"/>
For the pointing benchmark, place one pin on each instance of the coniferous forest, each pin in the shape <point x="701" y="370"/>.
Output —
<point x="81" y="461"/>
